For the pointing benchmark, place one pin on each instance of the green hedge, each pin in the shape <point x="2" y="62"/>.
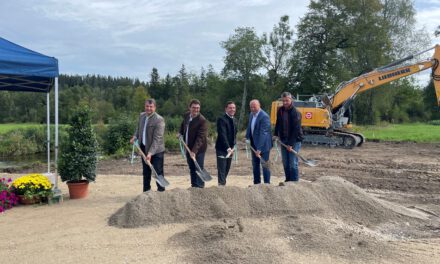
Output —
<point x="28" y="140"/>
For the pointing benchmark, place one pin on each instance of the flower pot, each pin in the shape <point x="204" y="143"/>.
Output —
<point x="27" y="201"/>
<point x="78" y="189"/>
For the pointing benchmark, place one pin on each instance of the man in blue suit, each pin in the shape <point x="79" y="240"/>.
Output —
<point x="259" y="134"/>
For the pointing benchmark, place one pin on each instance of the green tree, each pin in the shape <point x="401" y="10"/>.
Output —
<point x="277" y="50"/>
<point x="243" y="58"/>
<point x="78" y="156"/>
<point x="155" y="88"/>
<point x="341" y="39"/>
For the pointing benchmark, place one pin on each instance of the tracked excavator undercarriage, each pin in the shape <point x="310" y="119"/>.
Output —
<point x="333" y="138"/>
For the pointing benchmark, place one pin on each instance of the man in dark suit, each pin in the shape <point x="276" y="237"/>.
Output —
<point x="288" y="130"/>
<point x="194" y="130"/>
<point x="259" y="134"/>
<point x="149" y="132"/>
<point x="226" y="140"/>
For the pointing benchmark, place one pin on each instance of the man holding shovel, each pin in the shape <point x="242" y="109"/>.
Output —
<point x="194" y="130"/>
<point x="149" y="133"/>
<point x="288" y="130"/>
<point x="226" y="140"/>
<point x="259" y="134"/>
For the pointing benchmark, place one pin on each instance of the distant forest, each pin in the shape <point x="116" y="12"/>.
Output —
<point x="333" y="42"/>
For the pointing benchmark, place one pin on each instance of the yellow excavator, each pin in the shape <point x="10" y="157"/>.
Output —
<point x="324" y="118"/>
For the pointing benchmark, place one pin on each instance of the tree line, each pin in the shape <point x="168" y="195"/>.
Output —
<point x="333" y="42"/>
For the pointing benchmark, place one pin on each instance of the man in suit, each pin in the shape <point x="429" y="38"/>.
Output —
<point x="194" y="129"/>
<point x="149" y="132"/>
<point x="288" y="130"/>
<point x="226" y="140"/>
<point x="259" y="134"/>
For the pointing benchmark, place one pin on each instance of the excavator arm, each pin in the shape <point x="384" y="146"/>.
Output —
<point x="325" y="122"/>
<point x="347" y="91"/>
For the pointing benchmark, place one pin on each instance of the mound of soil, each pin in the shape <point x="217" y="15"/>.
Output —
<point x="329" y="197"/>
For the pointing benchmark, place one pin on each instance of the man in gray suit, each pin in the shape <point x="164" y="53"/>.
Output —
<point x="149" y="132"/>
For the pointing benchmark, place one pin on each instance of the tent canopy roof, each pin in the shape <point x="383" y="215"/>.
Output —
<point x="22" y="69"/>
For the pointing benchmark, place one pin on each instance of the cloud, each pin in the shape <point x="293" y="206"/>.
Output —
<point x="429" y="19"/>
<point x="124" y="17"/>
<point x="254" y="2"/>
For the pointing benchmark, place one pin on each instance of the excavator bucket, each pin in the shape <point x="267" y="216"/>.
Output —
<point x="436" y="73"/>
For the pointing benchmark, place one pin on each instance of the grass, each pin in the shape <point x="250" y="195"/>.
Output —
<point x="4" y="128"/>
<point x="414" y="132"/>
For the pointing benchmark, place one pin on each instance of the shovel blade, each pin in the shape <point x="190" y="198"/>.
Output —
<point x="310" y="163"/>
<point x="203" y="175"/>
<point x="162" y="181"/>
<point x="265" y="164"/>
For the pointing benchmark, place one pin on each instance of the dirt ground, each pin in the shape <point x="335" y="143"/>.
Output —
<point x="73" y="231"/>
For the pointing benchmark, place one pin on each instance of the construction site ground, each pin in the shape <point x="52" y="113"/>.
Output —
<point x="405" y="174"/>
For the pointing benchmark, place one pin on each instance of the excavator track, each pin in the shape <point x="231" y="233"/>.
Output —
<point x="335" y="138"/>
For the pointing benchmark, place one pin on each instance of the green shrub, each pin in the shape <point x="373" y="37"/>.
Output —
<point x="173" y="123"/>
<point x="117" y="137"/>
<point x="171" y="142"/>
<point x="78" y="156"/>
<point x="25" y="140"/>
<point x="434" y="122"/>
<point x="101" y="131"/>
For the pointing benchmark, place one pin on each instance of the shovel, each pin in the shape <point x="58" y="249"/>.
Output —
<point x="265" y="164"/>
<point x="227" y="156"/>
<point x="159" y="178"/>
<point x="310" y="163"/>
<point x="202" y="173"/>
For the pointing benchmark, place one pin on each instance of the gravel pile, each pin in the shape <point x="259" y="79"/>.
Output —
<point x="329" y="197"/>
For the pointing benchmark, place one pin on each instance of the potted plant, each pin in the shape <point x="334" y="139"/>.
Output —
<point x="32" y="188"/>
<point x="77" y="163"/>
<point x="7" y="195"/>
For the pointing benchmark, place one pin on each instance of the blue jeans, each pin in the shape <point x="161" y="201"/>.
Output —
<point x="195" y="180"/>
<point x="290" y="163"/>
<point x="257" y="170"/>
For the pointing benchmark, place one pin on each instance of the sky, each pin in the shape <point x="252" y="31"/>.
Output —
<point x="128" y="38"/>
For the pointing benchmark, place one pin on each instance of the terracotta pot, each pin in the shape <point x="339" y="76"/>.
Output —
<point x="78" y="189"/>
<point x="26" y="201"/>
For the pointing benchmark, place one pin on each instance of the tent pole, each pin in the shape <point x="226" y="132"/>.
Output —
<point x="48" y="132"/>
<point x="56" y="136"/>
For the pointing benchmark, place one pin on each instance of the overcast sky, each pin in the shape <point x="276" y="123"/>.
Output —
<point x="130" y="37"/>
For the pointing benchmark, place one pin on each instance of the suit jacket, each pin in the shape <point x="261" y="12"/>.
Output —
<point x="197" y="132"/>
<point x="294" y="131"/>
<point x="226" y="133"/>
<point x="262" y="136"/>
<point x="155" y="130"/>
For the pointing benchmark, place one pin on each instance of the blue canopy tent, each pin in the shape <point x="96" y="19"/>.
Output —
<point x="24" y="70"/>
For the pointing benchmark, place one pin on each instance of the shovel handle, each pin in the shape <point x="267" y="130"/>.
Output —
<point x="253" y="150"/>
<point x="142" y="154"/>
<point x="186" y="147"/>
<point x="308" y="162"/>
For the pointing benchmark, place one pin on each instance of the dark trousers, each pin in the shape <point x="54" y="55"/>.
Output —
<point x="195" y="180"/>
<point x="157" y="162"/>
<point x="256" y="168"/>
<point x="223" y="166"/>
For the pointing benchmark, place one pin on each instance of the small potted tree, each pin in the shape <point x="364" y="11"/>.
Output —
<point x="77" y="163"/>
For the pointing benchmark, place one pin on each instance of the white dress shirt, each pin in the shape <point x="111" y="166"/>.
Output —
<point x="144" y="134"/>
<point x="254" y="120"/>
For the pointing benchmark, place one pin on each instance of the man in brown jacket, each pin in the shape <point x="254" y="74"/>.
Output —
<point x="194" y="130"/>
<point x="149" y="132"/>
